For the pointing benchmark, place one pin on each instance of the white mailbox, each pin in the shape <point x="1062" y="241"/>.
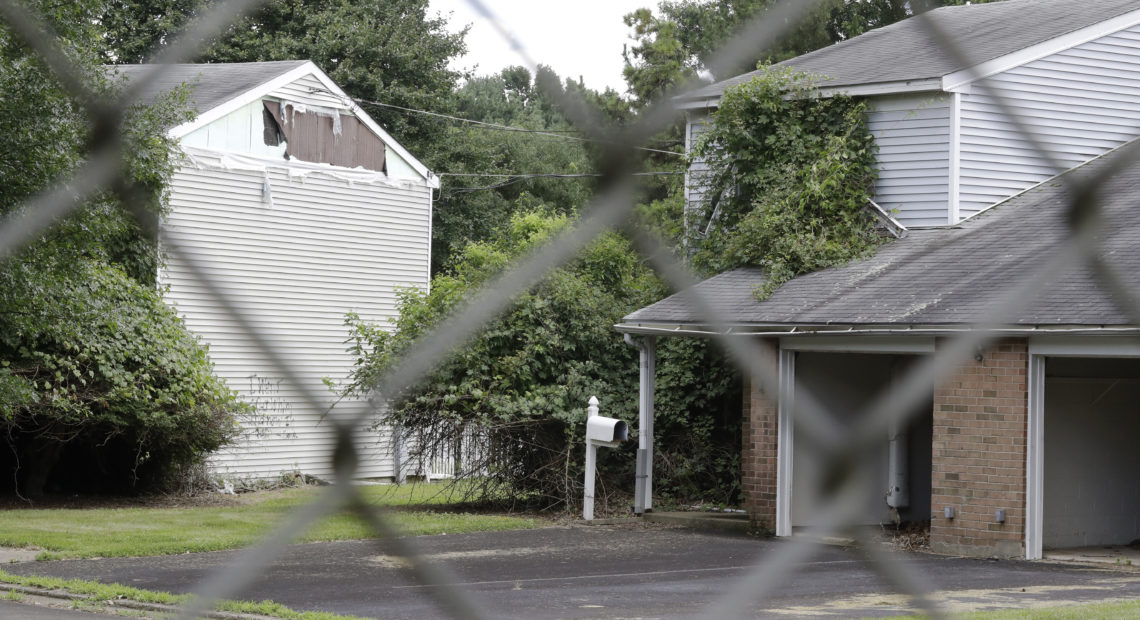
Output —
<point x="600" y="431"/>
<point x="603" y="431"/>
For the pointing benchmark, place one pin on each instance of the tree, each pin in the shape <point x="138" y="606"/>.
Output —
<point x="101" y="386"/>
<point x="471" y="208"/>
<point x="391" y="51"/>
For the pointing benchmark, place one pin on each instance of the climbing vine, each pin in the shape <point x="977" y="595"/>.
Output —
<point x="790" y="175"/>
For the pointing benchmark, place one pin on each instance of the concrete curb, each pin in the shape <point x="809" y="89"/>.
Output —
<point x="116" y="605"/>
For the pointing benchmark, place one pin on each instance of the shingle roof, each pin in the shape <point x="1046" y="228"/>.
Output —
<point x="905" y="51"/>
<point x="948" y="276"/>
<point x="212" y="84"/>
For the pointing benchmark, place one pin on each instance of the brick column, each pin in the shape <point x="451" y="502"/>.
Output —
<point x="980" y="425"/>
<point x="758" y="457"/>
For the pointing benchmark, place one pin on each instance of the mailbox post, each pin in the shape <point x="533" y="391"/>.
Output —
<point x="600" y="431"/>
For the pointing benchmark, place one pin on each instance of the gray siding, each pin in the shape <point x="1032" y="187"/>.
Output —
<point x="912" y="133"/>
<point x="695" y="184"/>
<point x="328" y="241"/>
<point x="1080" y="103"/>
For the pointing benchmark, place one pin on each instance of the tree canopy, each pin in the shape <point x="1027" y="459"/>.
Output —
<point x="101" y="386"/>
<point x="533" y="156"/>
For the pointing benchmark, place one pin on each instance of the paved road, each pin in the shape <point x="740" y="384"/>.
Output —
<point x="598" y="572"/>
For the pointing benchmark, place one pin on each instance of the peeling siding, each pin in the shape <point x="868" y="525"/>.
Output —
<point x="1080" y="102"/>
<point x="296" y="264"/>
<point x="912" y="133"/>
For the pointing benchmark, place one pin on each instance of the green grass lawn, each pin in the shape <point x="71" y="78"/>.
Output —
<point x="98" y="594"/>
<point x="111" y="532"/>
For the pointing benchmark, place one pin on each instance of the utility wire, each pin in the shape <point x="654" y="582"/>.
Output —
<point x="499" y="127"/>
<point x="566" y="175"/>
<point x="518" y="178"/>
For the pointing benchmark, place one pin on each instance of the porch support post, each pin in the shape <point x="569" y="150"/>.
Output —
<point x="643" y="487"/>
<point x="1035" y="459"/>
<point x="785" y="447"/>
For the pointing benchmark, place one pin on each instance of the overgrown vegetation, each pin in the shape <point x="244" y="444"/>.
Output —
<point x="518" y="391"/>
<point x="790" y="174"/>
<point x="101" y="386"/>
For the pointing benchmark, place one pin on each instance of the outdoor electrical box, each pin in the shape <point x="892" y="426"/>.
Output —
<point x="603" y="431"/>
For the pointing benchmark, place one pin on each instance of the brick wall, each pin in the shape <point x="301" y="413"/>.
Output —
<point x="980" y="424"/>
<point x="758" y="456"/>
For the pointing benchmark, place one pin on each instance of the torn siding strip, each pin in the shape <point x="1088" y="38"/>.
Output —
<point x="204" y="159"/>
<point x="288" y="118"/>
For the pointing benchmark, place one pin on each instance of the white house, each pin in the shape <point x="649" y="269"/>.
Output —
<point x="1023" y="447"/>
<point x="1070" y="70"/>
<point x="300" y="208"/>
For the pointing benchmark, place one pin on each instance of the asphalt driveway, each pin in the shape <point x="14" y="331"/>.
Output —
<point x="605" y="572"/>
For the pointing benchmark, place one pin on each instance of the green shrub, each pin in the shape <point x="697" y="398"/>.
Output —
<point x="522" y="384"/>
<point x="101" y="385"/>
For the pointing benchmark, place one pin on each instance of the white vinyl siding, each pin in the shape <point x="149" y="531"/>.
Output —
<point x="241" y="131"/>
<point x="310" y="91"/>
<point x="1080" y="103"/>
<point x="321" y="243"/>
<point x="912" y="133"/>
<point x="695" y="183"/>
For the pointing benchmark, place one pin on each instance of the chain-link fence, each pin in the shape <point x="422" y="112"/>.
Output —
<point x="838" y="502"/>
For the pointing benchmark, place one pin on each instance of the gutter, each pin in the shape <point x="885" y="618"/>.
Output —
<point x="872" y="89"/>
<point x="681" y="330"/>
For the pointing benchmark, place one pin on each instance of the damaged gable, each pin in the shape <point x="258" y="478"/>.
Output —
<point x="281" y="110"/>
<point x="322" y="135"/>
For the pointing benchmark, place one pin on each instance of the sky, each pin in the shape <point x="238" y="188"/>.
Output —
<point x="580" y="38"/>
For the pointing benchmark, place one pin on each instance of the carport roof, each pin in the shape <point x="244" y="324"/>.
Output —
<point x="940" y="278"/>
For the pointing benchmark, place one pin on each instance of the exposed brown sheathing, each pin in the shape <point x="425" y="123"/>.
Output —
<point x="980" y="424"/>
<point x="758" y="457"/>
<point x="311" y="137"/>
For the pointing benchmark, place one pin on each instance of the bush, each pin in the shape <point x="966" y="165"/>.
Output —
<point x="518" y="391"/>
<point x="101" y="386"/>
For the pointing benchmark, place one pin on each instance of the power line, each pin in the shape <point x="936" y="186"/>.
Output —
<point x="549" y="134"/>
<point x="518" y="178"/>
<point x="567" y="175"/>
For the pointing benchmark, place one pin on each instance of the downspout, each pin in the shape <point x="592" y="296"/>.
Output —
<point x="643" y="486"/>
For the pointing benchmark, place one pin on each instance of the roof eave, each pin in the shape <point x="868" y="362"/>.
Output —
<point x="959" y="81"/>
<point x="652" y="328"/>
<point x="852" y="90"/>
